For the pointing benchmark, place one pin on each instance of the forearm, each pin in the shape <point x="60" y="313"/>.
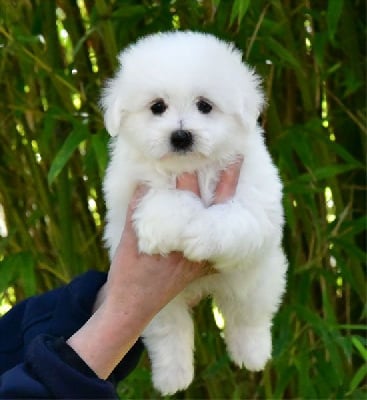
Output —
<point x="112" y="330"/>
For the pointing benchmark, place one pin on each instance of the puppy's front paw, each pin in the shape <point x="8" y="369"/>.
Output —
<point x="198" y="242"/>
<point x="250" y="347"/>
<point x="150" y="241"/>
<point x="196" y="250"/>
<point x="161" y="217"/>
<point x="170" y="380"/>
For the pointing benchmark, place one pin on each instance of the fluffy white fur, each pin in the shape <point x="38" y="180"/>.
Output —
<point x="241" y="237"/>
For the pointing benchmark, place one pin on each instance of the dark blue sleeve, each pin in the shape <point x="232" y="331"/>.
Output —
<point x="45" y="375"/>
<point x="28" y="363"/>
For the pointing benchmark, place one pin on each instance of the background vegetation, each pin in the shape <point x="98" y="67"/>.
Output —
<point x="54" y="57"/>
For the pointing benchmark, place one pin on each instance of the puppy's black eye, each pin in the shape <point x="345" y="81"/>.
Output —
<point x="158" y="107"/>
<point x="203" y="106"/>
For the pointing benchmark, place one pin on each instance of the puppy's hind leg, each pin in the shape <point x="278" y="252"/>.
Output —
<point x="248" y="340"/>
<point x="248" y="311"/>
<point x="169" y="339"/>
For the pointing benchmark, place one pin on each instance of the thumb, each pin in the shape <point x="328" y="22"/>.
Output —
<point x="228" y="180"/>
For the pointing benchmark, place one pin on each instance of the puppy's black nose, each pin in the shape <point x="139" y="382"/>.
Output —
<point x="181" y="140"/>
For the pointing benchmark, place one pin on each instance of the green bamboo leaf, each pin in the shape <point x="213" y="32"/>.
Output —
<point x="311" y="318"/>
<point x="333" y="14"/>
<point x="344" y="251"/>
<point x="302" y="146"/>
<point x="360" y="347"/>
<point x="354" y="227"/>
<point x="289" y="372"/>
<point x="343" y="153"/>
<point x="328" y="308"/>
<point x="283" y="53"/>
<point x="15" y="266"/>
<point x="239" y="10"/>
<point x="305" y="383"/>
<point x="213" y="368"/>
<point x="8" y="269"/>
<point x="327" y="373"/>
<point x="350" y="327"/>
<point x="77" y="135"/>
<point x="358" y="378"/>
<point x="28" y="275"/>
<point x="130" y="11"/>
<point x="99" y="144"/>
<point x="305" y="183"/>
<point x="331" y="337"/>
<point x="331" y="171"/>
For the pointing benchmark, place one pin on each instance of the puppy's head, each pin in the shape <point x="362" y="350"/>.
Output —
<point x="182" y="99"/>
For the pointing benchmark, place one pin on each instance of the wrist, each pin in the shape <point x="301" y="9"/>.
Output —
<point x="140" y="304"/>
<point x="104" y="340"/>
<point x="143" y="289"/>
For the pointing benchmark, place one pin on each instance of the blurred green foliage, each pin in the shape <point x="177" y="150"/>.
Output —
<point x="54" y="58"/>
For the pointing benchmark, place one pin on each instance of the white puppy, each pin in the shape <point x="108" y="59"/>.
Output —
<point x="185" y="101"/>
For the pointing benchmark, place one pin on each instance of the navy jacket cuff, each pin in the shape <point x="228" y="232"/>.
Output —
<point x="61" y="379"/>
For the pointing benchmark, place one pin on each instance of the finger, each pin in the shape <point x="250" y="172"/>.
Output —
<point x="208" y="269"/>
<point x="202" y="268"/>
<point x="227" y="185"/>
<point x="188" y="181"/>
<point x="139" y="192"/>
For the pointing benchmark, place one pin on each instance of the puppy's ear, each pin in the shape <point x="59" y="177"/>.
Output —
<point x="253" y="100"/>
<point x="111" y="103"/>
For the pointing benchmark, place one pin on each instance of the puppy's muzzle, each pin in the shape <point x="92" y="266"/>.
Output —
<point x="181" y="140"/>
